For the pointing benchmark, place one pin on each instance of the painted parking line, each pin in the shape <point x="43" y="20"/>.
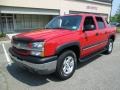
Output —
<point x="6" y="54"/>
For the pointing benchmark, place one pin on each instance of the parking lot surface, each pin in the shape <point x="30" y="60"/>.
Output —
<point x="99" y="73"/>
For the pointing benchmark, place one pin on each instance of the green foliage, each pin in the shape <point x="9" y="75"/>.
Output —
<point x="2" y="34"/>
<point x="116" y="17"/>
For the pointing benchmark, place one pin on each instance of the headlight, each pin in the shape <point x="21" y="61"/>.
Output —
<point x="38" y="46"/>
<point x="37" y="49"/>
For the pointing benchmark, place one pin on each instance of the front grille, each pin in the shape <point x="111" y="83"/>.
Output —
<point x="20" y="51"/>
<point x="20" y="45"/>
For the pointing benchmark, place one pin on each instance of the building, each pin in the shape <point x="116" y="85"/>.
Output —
<point x="25" y="15"/>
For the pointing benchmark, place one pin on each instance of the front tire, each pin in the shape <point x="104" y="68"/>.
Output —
<point x="109" y="47"/>
<point x="66" y="65"/>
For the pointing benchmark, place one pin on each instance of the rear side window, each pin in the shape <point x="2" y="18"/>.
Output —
<point x="100" y="22"/>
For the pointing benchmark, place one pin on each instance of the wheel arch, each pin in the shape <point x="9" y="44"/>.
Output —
<point x="112" y="37"/>
<point x="74" y="46"/>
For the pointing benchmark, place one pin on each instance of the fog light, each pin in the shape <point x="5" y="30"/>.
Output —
<point x="35" y="53"/>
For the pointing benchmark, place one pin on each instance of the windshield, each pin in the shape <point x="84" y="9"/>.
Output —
<point x="64" y="22"/>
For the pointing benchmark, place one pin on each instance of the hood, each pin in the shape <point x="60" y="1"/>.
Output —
<point x="45" y="34"/>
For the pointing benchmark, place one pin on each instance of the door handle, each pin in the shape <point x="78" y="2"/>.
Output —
<point x="97" y="34"/>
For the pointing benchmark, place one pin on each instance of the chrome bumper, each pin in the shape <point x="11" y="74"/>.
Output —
<point x="45" y="68"/>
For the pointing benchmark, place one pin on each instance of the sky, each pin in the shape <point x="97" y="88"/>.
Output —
<point x="116" y="4"/>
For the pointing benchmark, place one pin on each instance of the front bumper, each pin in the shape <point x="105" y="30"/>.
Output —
<point x="41" y="68"/>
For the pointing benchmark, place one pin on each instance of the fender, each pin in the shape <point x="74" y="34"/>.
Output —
<point x="67" y="45"/>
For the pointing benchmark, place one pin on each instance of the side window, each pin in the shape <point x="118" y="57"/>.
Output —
<point x="89" y="23"/>
<point x="100" y="22"/>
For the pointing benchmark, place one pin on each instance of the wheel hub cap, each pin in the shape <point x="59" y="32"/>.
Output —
<point x="110" y="47"/>
<point x="68" y="65"/>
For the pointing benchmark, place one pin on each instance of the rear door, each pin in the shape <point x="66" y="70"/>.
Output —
<point x="102" y="32"/>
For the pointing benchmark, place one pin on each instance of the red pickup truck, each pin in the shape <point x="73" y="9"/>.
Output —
<point x="65" y="41"/>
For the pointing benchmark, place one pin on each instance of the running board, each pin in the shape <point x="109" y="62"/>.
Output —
<point x="91" y="56"/>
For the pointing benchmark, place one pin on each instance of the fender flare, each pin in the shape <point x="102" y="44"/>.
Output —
<point x="67" y="45"/>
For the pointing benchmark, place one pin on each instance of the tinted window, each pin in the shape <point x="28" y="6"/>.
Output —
<point x="89" y="22"/>
<point x="100" y="23"/>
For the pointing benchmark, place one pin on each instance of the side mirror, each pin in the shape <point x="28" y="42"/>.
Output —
<point x="89" y="27"/>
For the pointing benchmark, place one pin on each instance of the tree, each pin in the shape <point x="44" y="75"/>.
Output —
<point x="118" y="14"/>
<point x="116" y="17"/>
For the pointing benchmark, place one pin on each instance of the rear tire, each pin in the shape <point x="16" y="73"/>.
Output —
<point x="109" y="47"/>
<point x="66" y="65"/>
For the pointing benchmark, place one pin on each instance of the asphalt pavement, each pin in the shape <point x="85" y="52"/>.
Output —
<point x="99" y="73"/>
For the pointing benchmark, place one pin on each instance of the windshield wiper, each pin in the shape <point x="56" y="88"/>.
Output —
<point x="47" y="28"/>
<point x="59" y="28"/>
<point x="56" y="28"/>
